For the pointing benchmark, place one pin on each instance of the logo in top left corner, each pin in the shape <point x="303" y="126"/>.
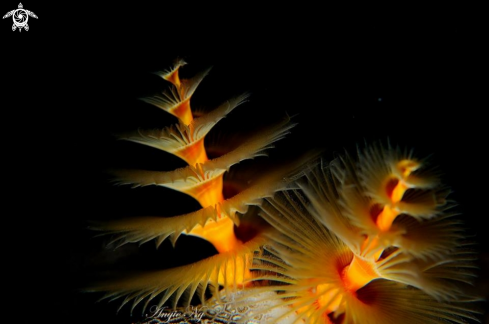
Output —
<point x="20" y="17"/>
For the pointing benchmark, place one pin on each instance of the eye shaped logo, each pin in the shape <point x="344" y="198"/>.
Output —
<point x="20" y="17"/>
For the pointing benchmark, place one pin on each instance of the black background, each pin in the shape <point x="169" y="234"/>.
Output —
<point x="347" y="75"/>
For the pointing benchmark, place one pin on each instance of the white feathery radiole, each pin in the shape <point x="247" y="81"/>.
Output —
<point x="219" y="219"/>
<point x="336" y="262"/>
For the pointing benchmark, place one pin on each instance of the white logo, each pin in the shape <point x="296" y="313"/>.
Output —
<point x="20" y="17"/>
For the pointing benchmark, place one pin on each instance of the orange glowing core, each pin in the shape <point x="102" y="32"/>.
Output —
<point x="359" y="273"/>
<point x="220" y="233"/>
<point x="193" y="153"/>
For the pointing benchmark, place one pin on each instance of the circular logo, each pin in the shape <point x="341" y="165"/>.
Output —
<point x="20" y="18"/>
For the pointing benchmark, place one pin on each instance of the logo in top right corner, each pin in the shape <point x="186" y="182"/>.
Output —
<point x="20" y="17"/>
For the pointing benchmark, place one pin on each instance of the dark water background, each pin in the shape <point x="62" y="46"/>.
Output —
<point x="74" y="78"/>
